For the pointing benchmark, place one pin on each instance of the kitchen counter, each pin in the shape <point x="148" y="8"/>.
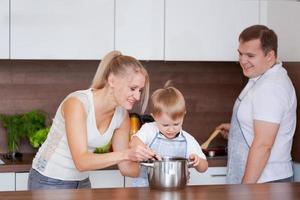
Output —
<point x="274" y="191"/>
<point x="24" y="165"/>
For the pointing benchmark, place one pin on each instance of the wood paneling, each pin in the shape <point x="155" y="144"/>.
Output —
<point x="210" y="89"/>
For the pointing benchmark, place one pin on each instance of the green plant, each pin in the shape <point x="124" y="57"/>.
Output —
<point x="13" y="123"/>
<point x="19" y="126"/>
<point x="38" y="137"/>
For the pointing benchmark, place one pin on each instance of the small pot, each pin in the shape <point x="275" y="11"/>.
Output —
<point x="168" y="173"/>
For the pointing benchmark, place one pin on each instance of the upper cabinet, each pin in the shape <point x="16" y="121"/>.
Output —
<point x="283" y="17"/>
<point x="140" y="28"/>
<point x="206" y="29"/>
<point x="61" y="29"/>
<point x="4" y="29"/>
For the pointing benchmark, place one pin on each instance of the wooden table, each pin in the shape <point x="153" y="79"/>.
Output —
<point x="272" y="191"/>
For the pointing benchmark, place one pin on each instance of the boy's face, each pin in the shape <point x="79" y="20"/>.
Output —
<point x="167" y="126"/>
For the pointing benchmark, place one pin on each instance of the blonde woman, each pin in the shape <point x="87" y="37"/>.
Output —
<point x="165" y="136"/>
<point x="92" y="118"/>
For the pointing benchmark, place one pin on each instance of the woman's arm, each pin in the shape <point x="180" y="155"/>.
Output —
<point x="75" y="123"/>
<point x="138" y="152"/>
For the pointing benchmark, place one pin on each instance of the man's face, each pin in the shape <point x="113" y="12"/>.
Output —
<point x="253" y="59"/>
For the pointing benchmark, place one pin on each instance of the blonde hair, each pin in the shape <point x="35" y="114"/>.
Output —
<point x="117" y="64"/>
<point x="168" y="100"/>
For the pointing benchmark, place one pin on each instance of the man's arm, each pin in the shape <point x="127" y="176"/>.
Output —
<point x="260" y="150"/>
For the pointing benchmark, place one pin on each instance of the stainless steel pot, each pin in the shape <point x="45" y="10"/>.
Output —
<point x="168" y="173"/>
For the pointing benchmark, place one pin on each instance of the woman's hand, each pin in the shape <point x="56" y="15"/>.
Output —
<point x="141" y="152"/>
<point x="224" y="128"/>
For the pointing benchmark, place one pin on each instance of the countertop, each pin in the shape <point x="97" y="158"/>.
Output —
<point x="272" y="191"/>
<point x="24" y="165"/>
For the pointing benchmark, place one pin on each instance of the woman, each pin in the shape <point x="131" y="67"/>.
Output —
<point x="92" y="118"/>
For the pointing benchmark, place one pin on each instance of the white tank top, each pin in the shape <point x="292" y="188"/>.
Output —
<point x="54" y="158"/>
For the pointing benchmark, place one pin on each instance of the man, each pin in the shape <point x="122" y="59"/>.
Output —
<point x="264" y="115"/>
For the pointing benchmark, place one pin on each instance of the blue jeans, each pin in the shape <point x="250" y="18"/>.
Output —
<point x="289" y="179"/>
<point x="39" y="181"/>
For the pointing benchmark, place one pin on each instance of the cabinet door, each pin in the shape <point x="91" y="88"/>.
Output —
<point x="4" y="29"/>
<point x="106" y="179"/>
<point x="213" y="176"/>
<point x="128" y="181"/>
<point x="140" y="28"/>
<point x="296" y="168"/>
<point x="207" y="29"/>
<point x="7" y="181"/>
<point x="283" y="17"/>
<point x="21" y="181"/>
<point x="61" y="29"/>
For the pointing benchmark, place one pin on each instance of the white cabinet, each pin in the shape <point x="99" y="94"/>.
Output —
<point x="296" y="168"/>
<point x="61" y="29"/>
<point x="21" y="181"/>
<point x="128" y="181"/>
<point x="206" y="29"/>
<point x="283" y="17"/>
<point x="213" y="176"/>
<point x="140" y="28"/>
<point x="7" y="181"/>
<point x="106" y="179"/>
<point x="4" y="29"/>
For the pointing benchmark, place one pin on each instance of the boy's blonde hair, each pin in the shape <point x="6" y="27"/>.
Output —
<point x="168" y="100"/>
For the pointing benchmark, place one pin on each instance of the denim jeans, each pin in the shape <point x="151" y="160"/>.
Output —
<point x="39" y="181"/>
<point x="289" y="179"/>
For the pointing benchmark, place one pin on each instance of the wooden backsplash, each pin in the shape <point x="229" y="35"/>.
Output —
<point x="210" y="89"/>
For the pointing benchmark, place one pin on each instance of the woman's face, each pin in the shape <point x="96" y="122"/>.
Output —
<point x="127" y="89"/>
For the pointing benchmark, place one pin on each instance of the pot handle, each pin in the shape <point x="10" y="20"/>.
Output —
<point x="147" y="164"/>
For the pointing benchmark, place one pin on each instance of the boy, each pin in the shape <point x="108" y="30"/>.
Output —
<point x="165" y="135"/>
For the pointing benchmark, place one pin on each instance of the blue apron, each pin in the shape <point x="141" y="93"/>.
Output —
<point x="238" y="147"/>
<point x="176" y="147"/>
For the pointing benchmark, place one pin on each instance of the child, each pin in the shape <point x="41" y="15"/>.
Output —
<point x="165" y="135"/>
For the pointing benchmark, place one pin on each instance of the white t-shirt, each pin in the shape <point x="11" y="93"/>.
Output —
<point x="272" y="99"/>
<point x="149" y="130"/>
<point x="54" y="158"/>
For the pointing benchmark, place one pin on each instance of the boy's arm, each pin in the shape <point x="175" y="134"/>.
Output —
<point x="200" y="164"/>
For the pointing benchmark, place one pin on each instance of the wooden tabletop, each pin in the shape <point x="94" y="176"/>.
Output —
<point x="272" y="191"/>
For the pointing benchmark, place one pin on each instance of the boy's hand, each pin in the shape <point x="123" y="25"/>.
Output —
<point x="195" y="158"/>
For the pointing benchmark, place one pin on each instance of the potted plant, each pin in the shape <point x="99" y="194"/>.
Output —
<point x="19" y="126"/>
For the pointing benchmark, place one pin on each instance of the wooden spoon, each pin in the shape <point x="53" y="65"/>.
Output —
<point x="211" y="137"/>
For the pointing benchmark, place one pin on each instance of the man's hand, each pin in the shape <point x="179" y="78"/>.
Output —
<point x="224" y="128"/>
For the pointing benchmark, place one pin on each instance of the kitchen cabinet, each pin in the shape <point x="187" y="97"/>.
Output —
<point x="296" y="168"/>
<point x="7" y="181"/>
<point x="128" y="181"/>
<point x="283" y="17"/>
<point x="213" y="176"/>
<point x="61" y="29"/>
<point x="140" y="28"/>
<point x="106" y="179"/>
<point x="4" y="29"/>
<point x="21" y="181"/>
<point x="206" y="30"/>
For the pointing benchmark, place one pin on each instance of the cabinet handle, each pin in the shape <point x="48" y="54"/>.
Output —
<point x="218" y="175"/>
